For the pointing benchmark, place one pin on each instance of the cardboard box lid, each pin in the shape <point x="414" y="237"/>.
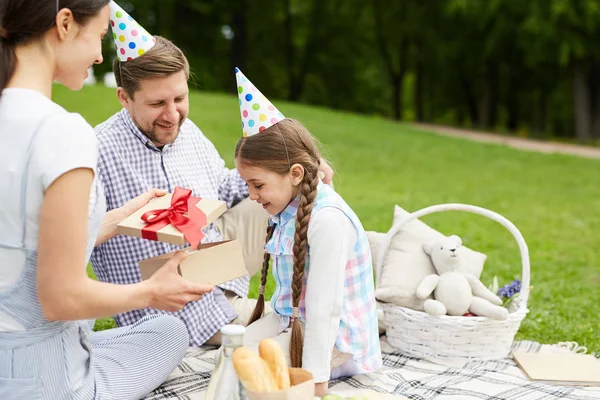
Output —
<point x="560" y="369"/>
<point x="211" y="264"/>
<point x="132" y="225"/>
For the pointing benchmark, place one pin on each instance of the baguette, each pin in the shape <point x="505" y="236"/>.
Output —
<point x="272" y="353"/>
<point x="253" y="371"/>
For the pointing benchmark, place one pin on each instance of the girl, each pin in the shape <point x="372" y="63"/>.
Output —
<point x="47" y="193"/>
<point x="322" y="263"/>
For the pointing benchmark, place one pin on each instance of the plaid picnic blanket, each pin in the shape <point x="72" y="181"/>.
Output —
<point x="406" y="376"/>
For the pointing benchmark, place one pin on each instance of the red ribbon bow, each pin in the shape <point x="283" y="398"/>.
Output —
<point x="191" y="225"/>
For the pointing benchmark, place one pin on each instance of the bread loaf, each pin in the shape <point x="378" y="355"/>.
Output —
<point x="272" y="353"/>
<point x="253" y="371"/>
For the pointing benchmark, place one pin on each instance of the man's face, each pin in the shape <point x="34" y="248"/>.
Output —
<point x="159" y="107"/>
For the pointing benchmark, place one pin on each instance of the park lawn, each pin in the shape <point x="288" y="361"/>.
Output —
<point x="554" y="200"/>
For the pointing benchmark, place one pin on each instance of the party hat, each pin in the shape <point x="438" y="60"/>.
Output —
<point x="258" y="113"/>
<point x="131" y="40"/>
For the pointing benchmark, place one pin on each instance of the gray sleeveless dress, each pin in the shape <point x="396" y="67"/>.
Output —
<point x="63" y="359"/>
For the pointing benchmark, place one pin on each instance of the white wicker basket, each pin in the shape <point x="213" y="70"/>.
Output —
<point x="419" y="334"/>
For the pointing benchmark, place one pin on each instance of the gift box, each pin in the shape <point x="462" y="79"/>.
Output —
<point x="210" y="264"/>
<point x="302" y="388"/>
<point x="176" y="218"/>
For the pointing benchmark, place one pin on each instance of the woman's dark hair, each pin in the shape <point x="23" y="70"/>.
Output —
<point x="22" y="21"/>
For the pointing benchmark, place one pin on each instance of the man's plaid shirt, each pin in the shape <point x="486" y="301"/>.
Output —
<point x="130" y="164"/>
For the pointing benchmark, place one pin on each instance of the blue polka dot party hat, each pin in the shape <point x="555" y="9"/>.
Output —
<point x="258" y="113"/>
<point x="131" y="40"/>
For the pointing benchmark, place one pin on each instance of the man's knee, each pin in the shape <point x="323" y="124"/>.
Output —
<point x="244" y="307"/>
<point x="247" y="222"/>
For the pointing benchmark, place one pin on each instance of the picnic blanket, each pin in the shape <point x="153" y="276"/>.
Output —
<point x="413" y="378"/>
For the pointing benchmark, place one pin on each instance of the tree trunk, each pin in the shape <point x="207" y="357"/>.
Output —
<point x="396" y="74"/>
<point x="489" y="99"/>
<point x="239" y="45"/>
<point x="299" y="62"/>
<point x="512" y="107"/>
<point x="419" y="83"/>
<point x="540" y="114"/>
<point x="290" y="54"/>
<point x="397" y="87"/>
<point x="484" y="107"/>
<point x="460" y="116"/>
<point x="493" y="79"/>
<point x="398" y="82"/>
<point x="581" y="97"/>
<point x="596" y="119"/>
<point x="512" y="104"/>
<point x="400" y="77"/>
<point x="165" y="17"/>
<point x="471" y="104"/>
<point x="594" y="86"/>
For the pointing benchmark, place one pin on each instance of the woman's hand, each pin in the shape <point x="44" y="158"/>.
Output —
<point x="140" y="201"/>
<point x="169" y="291"/>
<point x="114" y="217"/>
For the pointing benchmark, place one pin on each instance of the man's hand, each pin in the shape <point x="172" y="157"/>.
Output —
<point x="325" y="172"/>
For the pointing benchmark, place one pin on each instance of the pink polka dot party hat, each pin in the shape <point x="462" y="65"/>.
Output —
<point x="258" y="113"/>
<point x="131" y="40"/>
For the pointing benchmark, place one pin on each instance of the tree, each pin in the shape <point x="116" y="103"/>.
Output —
<point x="393" y="41"/>
<point x="566" y="32"/>
<point x="301" y="41"/>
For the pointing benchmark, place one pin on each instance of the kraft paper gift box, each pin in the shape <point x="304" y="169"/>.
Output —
<point x="302" y="388"/>
<point x="210" y="264"/>
<point x="176" y="218"/>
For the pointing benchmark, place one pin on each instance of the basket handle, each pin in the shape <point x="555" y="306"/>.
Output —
<point x="524" y="295"/>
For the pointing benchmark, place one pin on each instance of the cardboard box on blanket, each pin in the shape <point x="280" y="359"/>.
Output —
<point x="178" y="218"/>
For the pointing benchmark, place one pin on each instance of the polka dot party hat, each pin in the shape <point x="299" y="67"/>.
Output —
<point x="258" y="113"/>
<point x="131" y="40"/>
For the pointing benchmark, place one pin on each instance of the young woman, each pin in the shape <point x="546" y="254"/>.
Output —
<point x="51" y="216"/>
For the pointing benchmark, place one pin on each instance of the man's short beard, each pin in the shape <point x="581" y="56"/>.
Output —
<point x="152" y="136"/>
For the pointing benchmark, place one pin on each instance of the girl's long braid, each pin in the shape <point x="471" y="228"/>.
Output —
<point x="260" y="304"/>
<point x="308" y="193"/>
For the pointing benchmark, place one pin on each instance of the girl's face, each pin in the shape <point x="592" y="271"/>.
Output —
<point x="80" y="48"/>
<point x="272" y="190"/>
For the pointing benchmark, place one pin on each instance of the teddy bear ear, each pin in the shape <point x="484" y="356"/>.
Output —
<point x="428" y="247"/>
<point x="457" y="240"/>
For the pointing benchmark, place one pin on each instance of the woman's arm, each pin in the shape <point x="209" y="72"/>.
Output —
<point x="114" y="217"/>
<point x="331" y="237"/>
<point x="64" y="289"/>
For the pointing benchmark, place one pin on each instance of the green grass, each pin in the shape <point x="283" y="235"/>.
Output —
<point x="553" y="199"/>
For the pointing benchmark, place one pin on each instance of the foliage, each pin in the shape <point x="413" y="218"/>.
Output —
<point x="505" y="65"/>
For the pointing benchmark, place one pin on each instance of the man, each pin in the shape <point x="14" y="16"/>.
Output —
<point x="150" y="143"/>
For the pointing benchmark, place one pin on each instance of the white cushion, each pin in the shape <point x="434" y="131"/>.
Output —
<point x="406" y="263"/>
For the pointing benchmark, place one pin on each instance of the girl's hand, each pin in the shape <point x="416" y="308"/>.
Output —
<point x="321" y="388"/>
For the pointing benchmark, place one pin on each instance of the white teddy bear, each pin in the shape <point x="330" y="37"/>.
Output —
<point x="456" y="292"/>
